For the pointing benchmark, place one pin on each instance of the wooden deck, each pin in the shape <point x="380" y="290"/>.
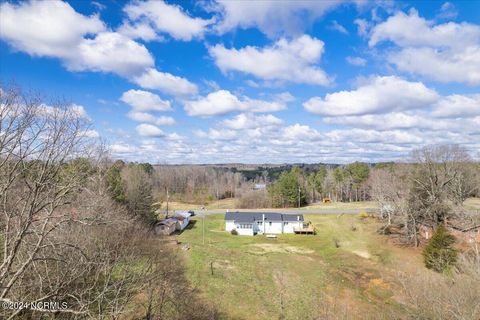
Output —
<point x="307" y="229"/>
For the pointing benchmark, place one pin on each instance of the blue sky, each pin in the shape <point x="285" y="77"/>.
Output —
<point x="254" y="82"/>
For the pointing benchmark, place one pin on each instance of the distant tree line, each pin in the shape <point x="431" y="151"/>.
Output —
<point x="297" y="186"/>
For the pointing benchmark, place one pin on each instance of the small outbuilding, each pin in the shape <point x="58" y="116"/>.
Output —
<point x="178" y="221"/>
<point x="165" y="227"/>
<point x="183" y="219"/>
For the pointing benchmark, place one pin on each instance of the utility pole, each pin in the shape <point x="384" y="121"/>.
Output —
<point x="203" y="229"/>
<point x="167" y="201"/>
<point x="299" y="197"/>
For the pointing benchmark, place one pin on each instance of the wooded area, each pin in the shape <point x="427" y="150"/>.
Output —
<point x="65" y="238"/>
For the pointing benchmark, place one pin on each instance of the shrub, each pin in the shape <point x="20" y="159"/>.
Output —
<point x="234" y="232"/>
<point x="336" y="242"/>
<point x="438" y="255"/>
<point x="363" y="215"/>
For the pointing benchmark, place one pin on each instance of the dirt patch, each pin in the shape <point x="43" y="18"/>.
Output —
<point x="280" y="248"/>
<point x="378" y="282"/>
<point x="362" y="253"/>
<point x="223" y="264"/>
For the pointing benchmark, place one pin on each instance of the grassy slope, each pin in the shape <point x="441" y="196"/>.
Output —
<point x="472" y="203"/>
<point x="231" y="204"/>
<point x="219" y="204"/>
<point x="254" y="276"/>
<point x="343" y="205"/>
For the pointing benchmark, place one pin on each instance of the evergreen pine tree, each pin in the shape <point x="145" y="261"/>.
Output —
<point x="439" y="255"/>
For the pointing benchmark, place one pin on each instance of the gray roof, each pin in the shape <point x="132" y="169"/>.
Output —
<point x="250" y="217"/>
<point x="293" y="217"/>
<point x="242" y="216"/>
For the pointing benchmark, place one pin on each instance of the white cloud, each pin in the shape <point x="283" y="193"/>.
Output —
<point x="222" y="102"/>
<point x="78" y="110"/>
<point x="122" y="148"/>
<point x="110" y="52"/>
<point x="175" y="137"/>
<point x="338" y="27"/>
<point x="138" y="30"/>
<point x="363" y="26"/>
<point x="458" y="106"/>
<point x="141" y="100"/>
<point x="406" y="120"/>
<point x="73" y="109"/>
<point x="285" y="97"/>
<point x="377" y="95"/>
<point x="374" y="136"/>
<point x="141" y="116"/>
<point x="394" y="120"/>
<point x="448" y="52"/>
<point x="165" y="18"/>
<point x="164" y="121"/>
<point x="166" y="82"/>
<point x="250" y="121"/>
<point x="91" y="134"/>
<point x="148" y="130"/>
<point x="45" y="28"/>
<point x="356" y="61"/>
<point x="214" y="134"/>
<point x="273" y="18"/>
<point x="301" y="143"/>
<point x="150" y="118"/>
<point x="443" y="66"/>
<point x="55" y="29"/>
<point x="447" y="11"/>
<point x="412" y="31"/>
<point x="285" y="60"/>
<point x="298" y="132"/>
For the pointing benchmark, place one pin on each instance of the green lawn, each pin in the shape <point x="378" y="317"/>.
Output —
<point x="344" y="205"/>
<point x="231" y="204"/>
<point x="296" y="276"/>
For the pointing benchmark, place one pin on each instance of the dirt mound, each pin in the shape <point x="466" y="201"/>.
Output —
<point x="280" y="248"/>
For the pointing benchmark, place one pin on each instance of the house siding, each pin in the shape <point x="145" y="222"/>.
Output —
<point x="229" y="225"/>
<point x="273" y="227"/>
<point x="290" y="226"/>
<point x="259" y="227"/>
<point x="243" y="230"/>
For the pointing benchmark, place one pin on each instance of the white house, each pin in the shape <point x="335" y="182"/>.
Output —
<point x="252" y="223"/>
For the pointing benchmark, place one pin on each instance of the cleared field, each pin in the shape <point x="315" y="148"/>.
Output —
<point x="231" y="204"/>
<point x="345" y="271"/>
<point x="219" y="204"/>
<point x="343" y="205"/>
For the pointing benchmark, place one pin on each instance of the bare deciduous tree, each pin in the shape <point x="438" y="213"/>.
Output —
<point x="36" y="140"/>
